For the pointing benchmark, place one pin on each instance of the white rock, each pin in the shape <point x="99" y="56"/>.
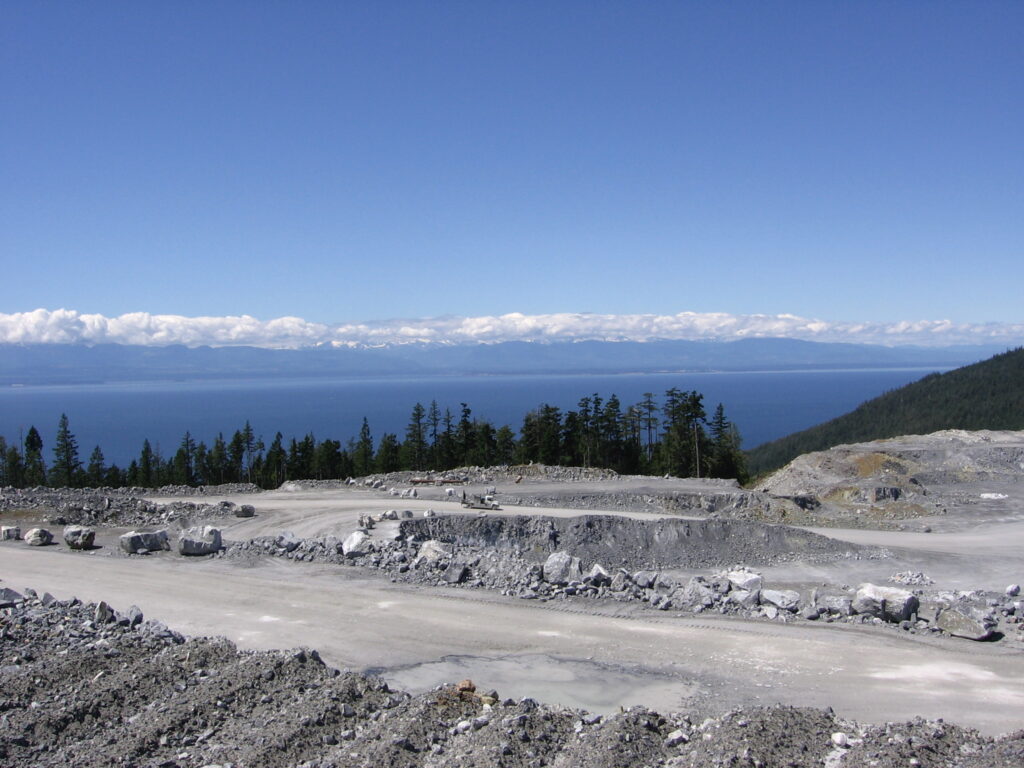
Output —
<point x="746" y="580"/>
<point x="431" y="551"/>
<point x="784" y="599"/>
<point x="676" y="738"/>
<point x="196" y="541"/>
<point x="561" y="568"/>
<point x="38" y="537"/>
<point x="840" y="739"/>
<point x="887" y="603"/>
<point x="355" y="544"/>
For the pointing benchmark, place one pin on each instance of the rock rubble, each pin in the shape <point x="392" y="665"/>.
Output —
<point x="87" y="685"/>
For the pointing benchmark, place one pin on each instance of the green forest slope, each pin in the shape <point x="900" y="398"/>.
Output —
<point x="986" y="395"/>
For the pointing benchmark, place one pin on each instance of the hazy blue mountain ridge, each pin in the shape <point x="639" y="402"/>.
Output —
<point x="76" y="364"/>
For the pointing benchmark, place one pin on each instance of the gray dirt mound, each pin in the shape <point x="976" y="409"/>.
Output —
<point x="83" y="685"/>
<point x="104" y="506"/>
<point x="617" y="541"/>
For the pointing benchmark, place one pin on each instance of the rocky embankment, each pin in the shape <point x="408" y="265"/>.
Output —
<point x="89" y="686"/>
<point x="900" y="478"/>
<point x="604" y="558"/>
<point x="117" y="507"/>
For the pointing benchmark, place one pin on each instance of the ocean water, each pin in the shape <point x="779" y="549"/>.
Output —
<point x="118" y="417"/>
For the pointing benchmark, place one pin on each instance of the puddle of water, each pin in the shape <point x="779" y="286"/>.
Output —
<point x="589" y="685"/>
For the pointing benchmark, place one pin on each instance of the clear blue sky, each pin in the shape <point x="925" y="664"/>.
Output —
<point x="347" y="161"/>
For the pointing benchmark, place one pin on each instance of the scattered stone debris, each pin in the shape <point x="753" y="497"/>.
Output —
<point x="911" y="579"/>
<point x="85" y="684"/>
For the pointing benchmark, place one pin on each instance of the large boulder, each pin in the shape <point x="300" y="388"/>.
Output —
<point x="432" y="551"/>
<point x="783" y="599"/>
<point x="696" y="594"/>
<point x="356" y="544"/>
<point x="598" y="576"/>
<point x="288" y="541"/>
<point x="38" y="537"/>
<point x="561" y="568"/>
<point x="79" y="537"/>
<point x="745" y="598"/>
<point x="245" y="510"/>
<point x="10" y="533"/>
<point x="972" y="625"/>
<point x="143" y="542"/>
<point x="196" y="541"/>
<point x="645" y="579"/>
<point x="9" y="598"/>
<point x="837" y="604"/>
<point x="456" y="573"/>
<point x="745" y="580"/>
<point x="886" y="603"/>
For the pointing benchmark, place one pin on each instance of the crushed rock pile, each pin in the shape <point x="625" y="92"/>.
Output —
<point x="109" y="507"/>
<point x="626" y="542"/>
<point x="85" y="685"/>
<point x="523" y="558"/>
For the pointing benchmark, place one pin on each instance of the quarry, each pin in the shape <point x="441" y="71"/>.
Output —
<point x="861" y="606"/>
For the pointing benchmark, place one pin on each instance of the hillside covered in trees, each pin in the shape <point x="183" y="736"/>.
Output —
<point x="986" y="395"/>
<point x="673" y="437"/>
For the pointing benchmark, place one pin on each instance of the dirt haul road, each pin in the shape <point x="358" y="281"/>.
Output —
<point x="594" y="657"/>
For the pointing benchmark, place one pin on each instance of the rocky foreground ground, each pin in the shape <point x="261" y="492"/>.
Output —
<point x="676" y="583"/>
<point x="86" y="685"/>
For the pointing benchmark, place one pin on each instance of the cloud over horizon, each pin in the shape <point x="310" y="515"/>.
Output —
<point x="64" y="326"/>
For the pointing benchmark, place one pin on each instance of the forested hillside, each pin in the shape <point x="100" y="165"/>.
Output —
<point x="986" y="395"/>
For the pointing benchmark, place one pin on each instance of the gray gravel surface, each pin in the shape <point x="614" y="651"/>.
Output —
<point x="85" y="685"/>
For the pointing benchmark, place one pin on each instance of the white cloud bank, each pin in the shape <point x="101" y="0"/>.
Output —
<point x="64" y="326"/>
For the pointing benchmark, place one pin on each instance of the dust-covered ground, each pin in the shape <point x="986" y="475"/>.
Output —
<point x="680" y="643"/>
<point x="86" y="685"/>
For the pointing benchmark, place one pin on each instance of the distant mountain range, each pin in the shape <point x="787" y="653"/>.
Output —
<point x="77" y="364"/>
<point x="986" y="395"/>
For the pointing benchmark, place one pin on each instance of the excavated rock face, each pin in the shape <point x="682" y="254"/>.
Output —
<point x="617" y="541"/>
<point x="908" y="476"/>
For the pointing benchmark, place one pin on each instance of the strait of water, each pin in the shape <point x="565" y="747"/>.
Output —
<point x="119" y="416"/>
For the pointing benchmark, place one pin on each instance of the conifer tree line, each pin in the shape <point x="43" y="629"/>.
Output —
<point x="673" y="437"/>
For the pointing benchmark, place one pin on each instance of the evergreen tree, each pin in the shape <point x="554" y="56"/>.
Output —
<point x="649" y="422"/>
<point x="683" y="450"/>
<point x="275" y="467"/>
<point x="218" y="463"/>
<point x="96" y="471"/>
<point x="201" y="464"/>
<point x="329" y="460"/>
<point x="465" y="437"/>
<point x="146" y="474"/>
<point x="14" y="468"/>
<point x="434" y="425"/>
<point x="183" y="463"/>
<point x="66" y="464"/>
<point x="35" y="467"/>
<point x="236" y="457"/>
<point x="362" y="454"/>
<point x="505" y="445"/>
<point x="727" y="459"/>
<point x="388" y="457"/>
<point x="415" y="448"/>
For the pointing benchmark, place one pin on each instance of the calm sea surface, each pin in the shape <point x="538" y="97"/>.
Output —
<point x="119" y="416"/>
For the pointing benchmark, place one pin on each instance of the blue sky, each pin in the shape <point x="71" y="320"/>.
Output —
<point x="345" y="162"/>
